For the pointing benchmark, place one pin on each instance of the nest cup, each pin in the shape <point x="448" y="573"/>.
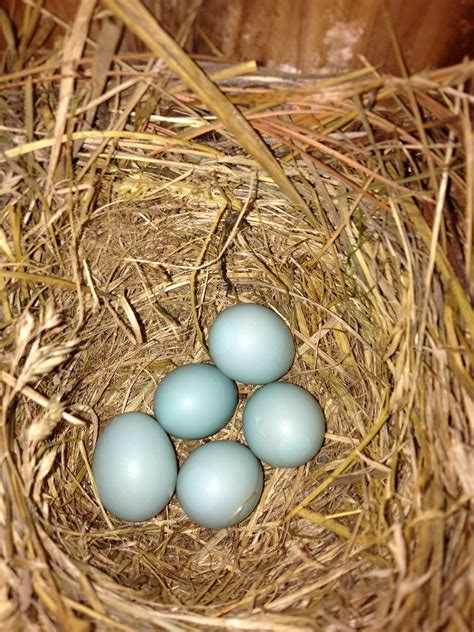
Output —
<point x="121" y="245"/>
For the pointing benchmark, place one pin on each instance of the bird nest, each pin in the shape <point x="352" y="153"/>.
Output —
<point x="138" y="202"/>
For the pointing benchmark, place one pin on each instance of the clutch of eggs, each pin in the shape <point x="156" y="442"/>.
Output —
<point x="220" y="483"/>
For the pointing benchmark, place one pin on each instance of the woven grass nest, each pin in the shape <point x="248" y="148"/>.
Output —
<point x="137" y="203"/>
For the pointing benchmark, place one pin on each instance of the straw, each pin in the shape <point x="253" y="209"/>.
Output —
<point x="144" y="193"/>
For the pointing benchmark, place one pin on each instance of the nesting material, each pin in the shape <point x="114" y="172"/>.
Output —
<point x="130" y="218"/>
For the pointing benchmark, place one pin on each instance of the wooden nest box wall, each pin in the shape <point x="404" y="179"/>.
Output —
<point x="308" y="36"/>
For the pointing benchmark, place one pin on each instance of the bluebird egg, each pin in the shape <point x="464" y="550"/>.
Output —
<point x="250" y="343"/>
<point x="134" y="467"/>
<point x="195" y="401"/>
<point x="283" y="424"/>
<point x="219" y="484"/>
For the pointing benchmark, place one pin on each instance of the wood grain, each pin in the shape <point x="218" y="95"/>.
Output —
<point x="329" y="35"/>
<point x="313" y="36"/>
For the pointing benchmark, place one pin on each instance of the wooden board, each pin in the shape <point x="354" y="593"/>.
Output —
<point x="313" y="36"/>
<point x="330" y="35"/>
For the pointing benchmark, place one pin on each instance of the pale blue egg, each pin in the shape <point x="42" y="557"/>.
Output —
<point x="219" y="484"/>
<point x="134" y="467"/>
<point x="195" y="401"/>
<point x="283" y="425"/>
<point x="250" y="343"/>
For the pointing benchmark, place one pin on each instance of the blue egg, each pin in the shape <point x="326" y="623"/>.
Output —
<point x="195" y="401"/>
<point x="283" y="425"/>
<point x="250" y="343"/>
<point x="219" y="484"/>
<point x="134" y="467"/>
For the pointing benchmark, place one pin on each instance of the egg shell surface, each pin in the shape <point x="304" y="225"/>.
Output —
<point x="134" y="467"/>
<point x="250" y="343"/>
<point x="195" y="401"/>
<point x="219" y="484"/>
<point x="283" y="424"/>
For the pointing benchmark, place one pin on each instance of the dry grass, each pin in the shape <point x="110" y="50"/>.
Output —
<point x="131" y="216"/>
